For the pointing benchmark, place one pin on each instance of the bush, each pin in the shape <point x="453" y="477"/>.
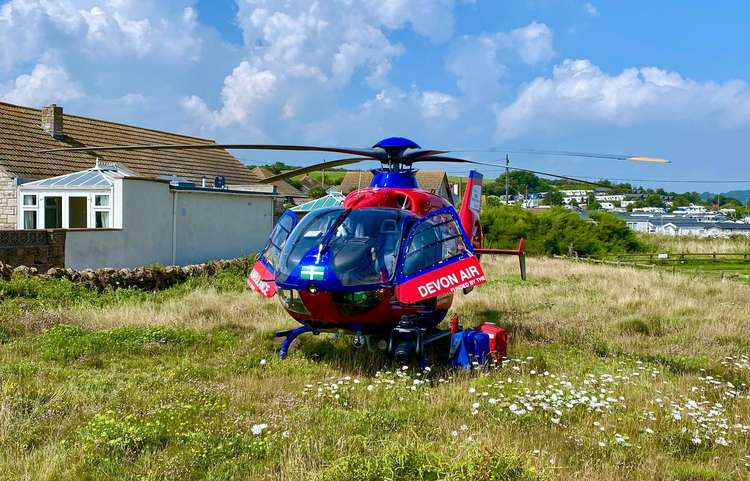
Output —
<point x="402" y="463"/>
<point x="558" y="231"/>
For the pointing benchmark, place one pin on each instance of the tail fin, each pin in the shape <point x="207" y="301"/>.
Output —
<point x="471" y="207"/>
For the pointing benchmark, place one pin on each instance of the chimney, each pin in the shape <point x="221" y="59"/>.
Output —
<point x="52" y="121"/>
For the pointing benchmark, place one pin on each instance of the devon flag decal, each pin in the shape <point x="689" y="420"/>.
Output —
<point x="312" y="273"/>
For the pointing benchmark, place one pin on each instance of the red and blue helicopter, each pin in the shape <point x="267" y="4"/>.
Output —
<point x="385" y="265"/>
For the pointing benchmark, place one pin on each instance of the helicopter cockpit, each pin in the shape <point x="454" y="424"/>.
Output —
<point x="360" y="247"/>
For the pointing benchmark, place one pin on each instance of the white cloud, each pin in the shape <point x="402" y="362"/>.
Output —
<point x="45" y="84"/>
<point x="591" y="10"/>
<point x="301" y="54"/>
<point x="479" y="62"/>
<point x="429" y="18"/>
<point x="438" y="104"/>
<point x="99" y="29"/>
<point x="579" y="94"/>
<point x="533" y="43"/>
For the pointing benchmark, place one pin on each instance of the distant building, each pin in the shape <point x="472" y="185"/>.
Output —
<point x="690" y="209"/>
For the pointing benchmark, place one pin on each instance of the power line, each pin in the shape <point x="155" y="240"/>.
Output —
<point x="684" y="181"/>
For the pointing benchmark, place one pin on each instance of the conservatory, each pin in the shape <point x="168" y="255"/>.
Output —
<point x="88" y="199"/>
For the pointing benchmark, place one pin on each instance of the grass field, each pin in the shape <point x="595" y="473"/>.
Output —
<point x="616" y="374"/>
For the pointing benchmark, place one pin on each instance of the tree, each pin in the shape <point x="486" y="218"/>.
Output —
<point x="554" y="198"/>
<point x="493" y="201"/>
<point x="653" y="200"/>
<point x="316" y="192"/>
<point x="591" y="203"/>
<point x="520" y="181"/>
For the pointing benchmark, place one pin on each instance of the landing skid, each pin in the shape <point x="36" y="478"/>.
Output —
<point x="406" y="341"/>
<point x="289" y="336"/>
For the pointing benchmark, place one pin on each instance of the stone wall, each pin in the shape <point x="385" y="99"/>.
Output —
<point x="8" y="201"/>
<point x="145" y="278"/>
<point x="40" y="249"/>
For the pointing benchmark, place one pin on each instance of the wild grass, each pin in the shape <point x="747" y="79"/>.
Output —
<point x="616" y="374"/>
<point x="693" y="244"/>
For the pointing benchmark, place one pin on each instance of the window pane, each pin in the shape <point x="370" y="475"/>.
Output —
<point x="29" y="219"/>
<point x="102" y="219"/>
<point x="101" y="200"/>
<point x="435" y="240"/>
<point x="29" y="199"/>
<point x="78" y="212"/>
<point x="52" y="212"/>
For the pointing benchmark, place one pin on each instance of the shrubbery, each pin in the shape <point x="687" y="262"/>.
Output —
<point x="557" y="231"/>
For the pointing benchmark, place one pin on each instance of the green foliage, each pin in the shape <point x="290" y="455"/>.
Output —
<point x="518" y="182"/>
<point x="67" y="343"/>
<point x="493" y="201"/>
<point x="316" y="192"/>
<point x="397" y="463"/>
<point x="554" y="198"/>
<point x="558" y="231"/>
<point x="26" y="293"/>
<point x="592" y="203"/>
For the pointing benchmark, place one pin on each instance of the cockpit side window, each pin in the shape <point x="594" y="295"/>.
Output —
<point x="278" y="238"/>
<point x="435" y="239"/>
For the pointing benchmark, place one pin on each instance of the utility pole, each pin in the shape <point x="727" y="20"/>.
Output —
<point x="507" y="175"/>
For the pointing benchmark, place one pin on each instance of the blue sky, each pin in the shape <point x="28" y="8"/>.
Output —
<point x="663" y="78"/>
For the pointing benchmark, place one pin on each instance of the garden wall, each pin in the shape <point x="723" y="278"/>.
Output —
<point x="41" y="249"/>
<point x="145" y="278"/>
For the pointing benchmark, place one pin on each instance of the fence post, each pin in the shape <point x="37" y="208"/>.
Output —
<point x="522" y="265"/>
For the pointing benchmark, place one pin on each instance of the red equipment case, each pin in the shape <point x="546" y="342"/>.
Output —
<point x="498" y="340"/>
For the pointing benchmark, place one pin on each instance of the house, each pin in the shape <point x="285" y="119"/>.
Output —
<point x="431" y="181"/>
<point x="286" y="192"/>
<point x="122" y="208"/>
<point x="308" y="182"/>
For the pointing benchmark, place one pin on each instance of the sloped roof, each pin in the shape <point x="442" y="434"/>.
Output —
<point x="21" y="136"/>
<point x="283" y="188"/>
<point x="91" y="178"/>
<point x="308" y="182"/>
<point x="430" y="180"/>
<point x="334" y="199"/>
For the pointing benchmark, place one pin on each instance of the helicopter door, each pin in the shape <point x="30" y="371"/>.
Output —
<point x="436" y="259"/>
<point x="262" y="277"/>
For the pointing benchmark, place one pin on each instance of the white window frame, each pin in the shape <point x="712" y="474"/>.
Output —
<point x="91" y="208"/>
<point x="23" y="208"/>
<point x="100" y="208"/>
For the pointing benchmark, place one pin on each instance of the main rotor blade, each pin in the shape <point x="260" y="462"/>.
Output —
<point x="313" y="168"/>
<point x="414" y="155"/>
<point x="559" y="176"/>
<point x="376" y="154"/>
<point x="565" y="153"/>
<point x="442" y="158"/>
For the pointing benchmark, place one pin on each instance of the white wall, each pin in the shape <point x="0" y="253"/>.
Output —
<point x="208" y="226"/>
<point x="220" y="225"/>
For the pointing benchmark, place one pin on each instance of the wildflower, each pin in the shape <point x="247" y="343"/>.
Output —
<point x="257" y="429"/>
<point x="472" y="390"/>
<point x="263" y="362"/>
<point x="454" y="433"/>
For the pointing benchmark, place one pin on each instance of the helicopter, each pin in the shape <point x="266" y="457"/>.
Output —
<point x="385" y="265"/>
